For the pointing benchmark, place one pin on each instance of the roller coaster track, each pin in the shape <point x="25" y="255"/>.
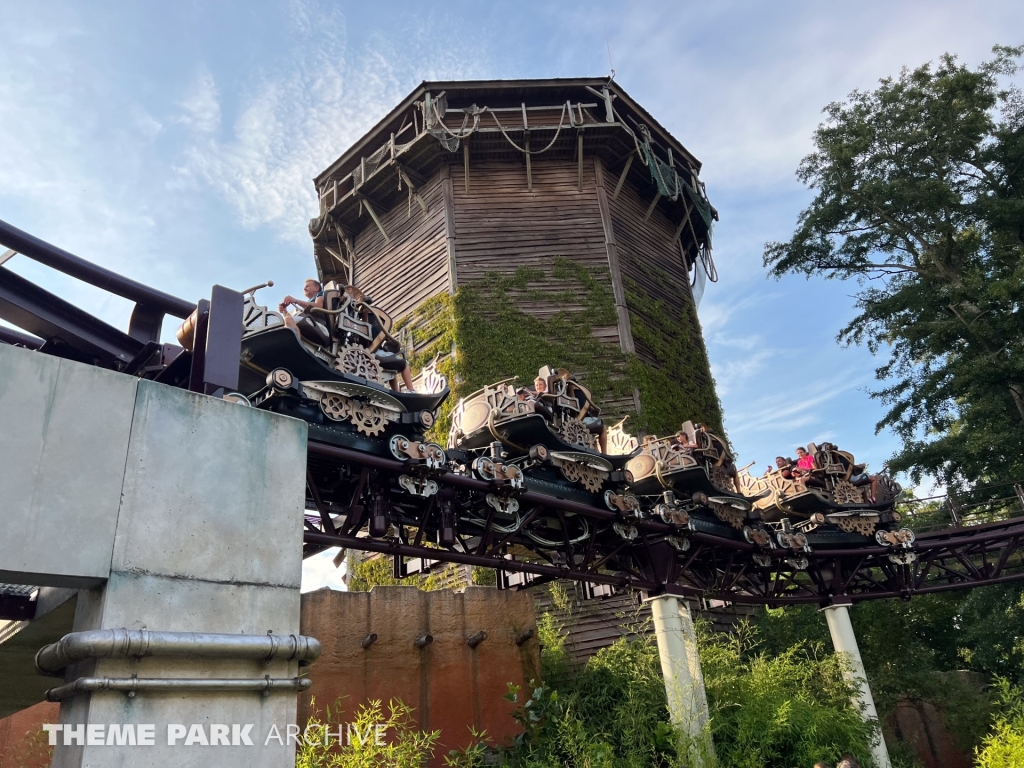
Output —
<point x="716" y="564"/>
<point x="422" y="518"/>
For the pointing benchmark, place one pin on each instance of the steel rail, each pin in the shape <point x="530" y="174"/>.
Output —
<point x="943" y="544"/>
<point x="386" y="547"/>
<point x="77" y="267"/>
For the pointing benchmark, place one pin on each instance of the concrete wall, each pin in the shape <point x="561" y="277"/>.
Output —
<point x="180" y="512"/>
<point x="63" y="442"/>
<point x="450" y="685"/>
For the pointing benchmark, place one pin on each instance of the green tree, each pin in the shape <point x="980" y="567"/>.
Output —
<point x="919" y="195"/>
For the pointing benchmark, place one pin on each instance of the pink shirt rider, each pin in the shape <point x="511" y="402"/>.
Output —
<point x="806" y="462"/>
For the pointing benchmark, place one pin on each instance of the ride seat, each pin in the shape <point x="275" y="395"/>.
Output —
<point x="333" y="299"/>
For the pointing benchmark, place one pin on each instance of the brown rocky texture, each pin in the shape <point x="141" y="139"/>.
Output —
<point x="450" y="685"/>
<point x="23" y="744"/>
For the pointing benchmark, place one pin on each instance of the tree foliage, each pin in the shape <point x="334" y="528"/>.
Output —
<point x="916" y="650"/>
<point x="919" y="195"/>
<point x="1004" y="746"/>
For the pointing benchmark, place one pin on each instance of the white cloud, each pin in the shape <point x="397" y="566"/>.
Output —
<point x="305" y="109"/>
<point x="749" y="80"/>
<point x="200" y="107"/>
<point x="797" y="408"/>
<point x="729" y="373"/>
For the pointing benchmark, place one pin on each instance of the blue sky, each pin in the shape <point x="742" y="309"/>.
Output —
<point x="175" y="143"/>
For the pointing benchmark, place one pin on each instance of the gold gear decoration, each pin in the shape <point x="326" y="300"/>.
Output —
<point x="846" y="492"/>
<point x="574" y="432"/>
<point x="586" y="476"/>
<point x="727" y="514"/>
<point x="368" y="418"/>
<point x="591" y="479"/>
<point x="570" y="471"/>
<point x="359" y="362"/>
<point x="334" y="406"/>
<point x="722" y="480"/>
<point x="856" y="524"/>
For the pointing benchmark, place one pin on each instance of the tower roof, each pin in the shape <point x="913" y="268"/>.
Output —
<point x="495" y="120"/>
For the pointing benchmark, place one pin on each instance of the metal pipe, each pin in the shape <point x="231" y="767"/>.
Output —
<point x="86" y="271"/>
<point x="109" y="643"/>
<point x="475" y="639"/>
<point x="11" y="336"/>
<point x="133" y="685"/>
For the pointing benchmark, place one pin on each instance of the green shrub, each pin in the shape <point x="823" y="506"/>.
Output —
<point x="788" y="708"/>
<point x="1004" y="746"/>
<point x="405" y="746"/>
<point x="782" y="709"/>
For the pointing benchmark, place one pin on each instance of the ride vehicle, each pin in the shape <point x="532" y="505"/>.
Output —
<point x="550" y="439"/>
<point x="692" y="471"/>
<point x="339" y="372"/>
<point x="837" y="492"/>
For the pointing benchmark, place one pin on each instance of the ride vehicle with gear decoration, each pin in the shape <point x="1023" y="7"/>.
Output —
<point x="689" y="480"/>
<point x="835" y="501"/>
<point x="339" y="372"/>
<point x="549" y="439"/>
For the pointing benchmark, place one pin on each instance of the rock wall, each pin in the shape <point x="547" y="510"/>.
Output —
<point x="450" y="685"/>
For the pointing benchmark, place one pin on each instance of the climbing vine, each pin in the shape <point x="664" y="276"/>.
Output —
<point x="680" y="385"/>
<point x="493" y="338"/>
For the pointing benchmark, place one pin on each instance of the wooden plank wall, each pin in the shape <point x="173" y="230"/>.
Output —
<point x="500" y="226"/>
<point x="647" y="249"/>
<point x="413" y="266"/>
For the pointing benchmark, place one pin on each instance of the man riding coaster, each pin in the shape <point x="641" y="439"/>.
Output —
<point x="307" y="322"/>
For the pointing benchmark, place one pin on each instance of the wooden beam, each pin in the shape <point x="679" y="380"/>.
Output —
<point x="650" y="210"/>
<point x="417" y="179"/>
<point x="579" y="160"/>
<point x="687" y="220"/>
<point x="626" y="343"/>
<point x="338" y="258"/>
<point x="526" y="137"/>
<point x="622" y="177"/>
<point x="465" y="162"/>
<point x="529" y="170"/>
<point x="373" y="215"/>
<point x="448" y="194"/>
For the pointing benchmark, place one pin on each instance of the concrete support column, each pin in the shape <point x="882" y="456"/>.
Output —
<point x="169" y="511"/>
<point x="680" y="666"/>
<point x="841" y="628"/>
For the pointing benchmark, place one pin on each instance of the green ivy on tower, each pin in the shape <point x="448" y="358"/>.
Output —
<point x="494" y="339"/>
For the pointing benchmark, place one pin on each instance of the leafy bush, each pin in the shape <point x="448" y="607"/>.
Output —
<point x="782" y="709"/>
<point x="404" y="747"/>
<point x="788" y="708"/>
<point x="1004" y="746"/>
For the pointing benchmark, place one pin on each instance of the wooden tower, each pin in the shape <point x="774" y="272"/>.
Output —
<point x="511" y="224"/>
